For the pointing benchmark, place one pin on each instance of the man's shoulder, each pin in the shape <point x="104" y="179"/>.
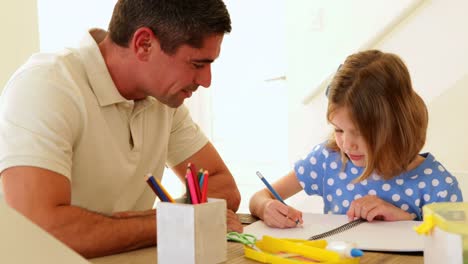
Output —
<point x="48" y="67"/>
<point x="46" y="72"/>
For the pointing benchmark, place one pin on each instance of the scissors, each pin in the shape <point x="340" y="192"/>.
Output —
<point x="246" y="239"/>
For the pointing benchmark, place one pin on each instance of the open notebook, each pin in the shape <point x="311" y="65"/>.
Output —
<point x="374" y="236"/>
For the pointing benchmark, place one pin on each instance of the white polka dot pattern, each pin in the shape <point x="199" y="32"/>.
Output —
<point x="302" y="184"/>
<point x="453" y="198"/>
<point x="442" y="194"/>
<point x="386" y="187"/>
<point x="339" y="192"/>
<point x="301" y="170"/>
<point x="396" y="197"/>
<point x="342" y="175"/>
<point x="345" y="203"/>
<point x="325" y="153"/>
<point x="313" y="160"/>
<point x="417" y="202"/>
<point x="313" y="175"/>
<point x="409" y="192"/>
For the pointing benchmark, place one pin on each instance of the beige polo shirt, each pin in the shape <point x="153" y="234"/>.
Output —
<point x="62" y="112"/>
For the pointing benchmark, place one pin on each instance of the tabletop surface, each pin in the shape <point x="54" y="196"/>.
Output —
<point x="235" y="255"/>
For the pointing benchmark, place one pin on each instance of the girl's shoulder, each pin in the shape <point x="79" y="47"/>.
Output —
<point x="320" y="156"/>
<point x="323" y="151"/>
<point x="430" y="168"/>
<point x="430" y="165"/>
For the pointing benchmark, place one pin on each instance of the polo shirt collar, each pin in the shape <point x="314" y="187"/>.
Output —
<point x="98" y="75"/>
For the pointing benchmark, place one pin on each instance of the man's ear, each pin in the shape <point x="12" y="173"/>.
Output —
<point x="143" y="43"/>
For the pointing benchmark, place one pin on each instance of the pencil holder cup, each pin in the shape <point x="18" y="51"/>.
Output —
<point x="189" y="233"/>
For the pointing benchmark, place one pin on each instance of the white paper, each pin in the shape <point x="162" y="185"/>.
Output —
<point x="374" y="236"/>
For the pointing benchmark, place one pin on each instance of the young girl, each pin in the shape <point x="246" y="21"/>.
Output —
<point x="370" y="168"/>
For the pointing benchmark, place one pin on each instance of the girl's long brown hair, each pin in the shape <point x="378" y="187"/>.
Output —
<point x="375" y="87"/>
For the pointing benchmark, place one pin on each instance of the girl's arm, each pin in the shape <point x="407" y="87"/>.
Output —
<point x="273" y="212"/>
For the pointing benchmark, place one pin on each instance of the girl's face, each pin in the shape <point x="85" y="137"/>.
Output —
<point x="348" y="137"/>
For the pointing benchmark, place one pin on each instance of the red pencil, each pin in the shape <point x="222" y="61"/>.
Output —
<point x="191" y="184"/>
<point x="193" y="170"/>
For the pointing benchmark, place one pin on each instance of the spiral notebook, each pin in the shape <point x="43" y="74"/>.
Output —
<point x="398" y="236"/>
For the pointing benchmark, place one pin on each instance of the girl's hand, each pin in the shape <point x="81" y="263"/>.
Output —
<point x="371" y="207"/>
<point x="277" y="214"/>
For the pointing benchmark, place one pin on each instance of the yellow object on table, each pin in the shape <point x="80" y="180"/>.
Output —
<point x="294" y="251"/>
<point x="446" y="228"/>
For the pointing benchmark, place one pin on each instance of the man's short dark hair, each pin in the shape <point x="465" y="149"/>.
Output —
<point x="174" y="22"/>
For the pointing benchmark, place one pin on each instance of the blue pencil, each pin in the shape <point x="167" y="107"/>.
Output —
<point x="159" y="190"/>
<point x="273" y="191"/>
<point x="267" y="184"/>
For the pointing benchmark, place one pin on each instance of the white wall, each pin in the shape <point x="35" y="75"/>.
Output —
<point x="18" y="24"/>
<point x="434" y="44"/>
<point x="64" y="23"/>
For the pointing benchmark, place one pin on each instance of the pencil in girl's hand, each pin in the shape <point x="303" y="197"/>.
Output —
<point x="273" y="191"/>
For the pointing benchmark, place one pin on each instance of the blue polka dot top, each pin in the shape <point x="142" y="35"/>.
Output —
<point x="321" y="173"/>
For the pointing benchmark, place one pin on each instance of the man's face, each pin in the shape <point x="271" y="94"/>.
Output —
<point x="173" y="78"/>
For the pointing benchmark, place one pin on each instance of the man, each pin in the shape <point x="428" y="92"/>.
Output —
<point x="80" y="129"/>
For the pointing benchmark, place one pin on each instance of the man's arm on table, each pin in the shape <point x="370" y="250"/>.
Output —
<point x="221" y="183"/>
<point x="44" y="197"/>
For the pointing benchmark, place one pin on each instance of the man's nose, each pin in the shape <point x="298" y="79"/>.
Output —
<point x="204" y="76"/>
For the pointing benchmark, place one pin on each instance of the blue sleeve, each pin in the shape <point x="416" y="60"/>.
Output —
<point x="443" y="188"/>
<point x="451" y="192"/>
<point x="310" y="170"/>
